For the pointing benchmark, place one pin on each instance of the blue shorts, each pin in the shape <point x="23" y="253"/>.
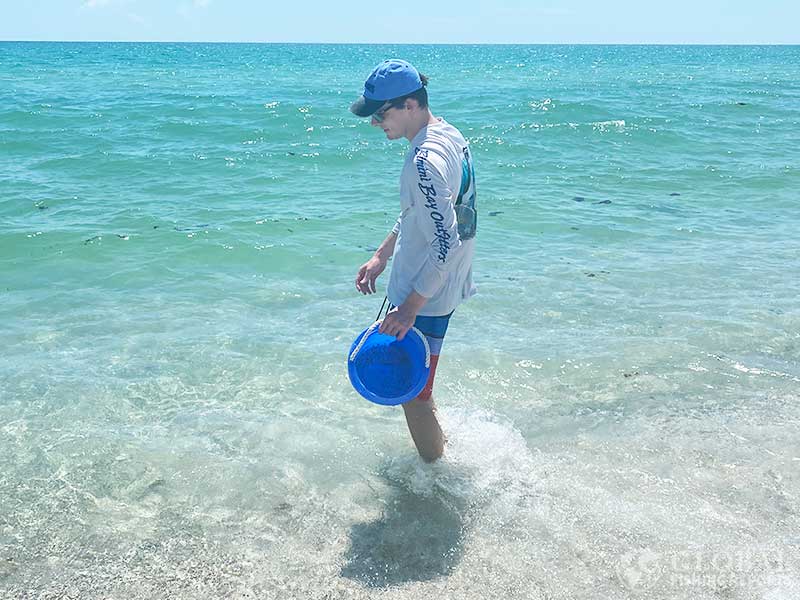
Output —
<point x="433" y="328"/>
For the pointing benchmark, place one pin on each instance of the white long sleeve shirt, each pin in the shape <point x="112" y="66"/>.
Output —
<point x="429" y="255"/>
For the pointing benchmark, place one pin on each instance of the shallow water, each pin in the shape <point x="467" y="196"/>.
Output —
<point x="180" y="229"/>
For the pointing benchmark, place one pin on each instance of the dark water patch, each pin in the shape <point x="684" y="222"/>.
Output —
<point x="494" y="213"/>
<point x="603" y="202"/>
<point x="417" y="538"/>
<point x="201" y="227"/>
<point x="99" y="238"/>
<point x="579" y="198"/>
<point x="674" y="194"/>
<point x="277" y="220"/>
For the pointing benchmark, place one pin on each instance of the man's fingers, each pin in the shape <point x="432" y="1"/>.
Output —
<point x="359" y="277"/>
<point x="365" y="281"/>
<point x="387" y="326"/>
<point x="392" y="328"/>
<point x="363" y="284"/>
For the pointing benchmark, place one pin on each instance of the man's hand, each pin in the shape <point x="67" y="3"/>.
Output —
<point x="399" y="320"/>
<point x="368" y="273"/>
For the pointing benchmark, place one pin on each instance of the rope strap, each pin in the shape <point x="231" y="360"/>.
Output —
<point x="373" y="328"/>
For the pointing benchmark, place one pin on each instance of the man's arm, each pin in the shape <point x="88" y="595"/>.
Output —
<point x="370" y="270"/>
<point x="436" y="218"/>
<point x="437" y="221"/>
<point x="386" y="249"/>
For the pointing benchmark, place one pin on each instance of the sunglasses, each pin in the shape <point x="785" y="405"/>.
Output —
<point x="378" y="114"/>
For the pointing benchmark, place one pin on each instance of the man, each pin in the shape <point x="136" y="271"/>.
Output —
<point x="433" y="238"/>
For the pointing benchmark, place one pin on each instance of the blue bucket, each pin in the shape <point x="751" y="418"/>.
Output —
<point x="387" y="371"/>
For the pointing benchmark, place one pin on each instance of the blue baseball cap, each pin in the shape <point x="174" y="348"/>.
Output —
<point x="390" y="79"/>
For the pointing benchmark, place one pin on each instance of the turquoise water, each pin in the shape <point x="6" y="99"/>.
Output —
<point x="180" y="228"/>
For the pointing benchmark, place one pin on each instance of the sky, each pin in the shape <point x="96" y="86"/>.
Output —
<point x="439" y="22"/>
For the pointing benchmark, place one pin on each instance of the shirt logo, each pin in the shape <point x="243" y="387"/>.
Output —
<point x="429" y="192"/>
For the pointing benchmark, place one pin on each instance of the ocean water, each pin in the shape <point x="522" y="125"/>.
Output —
<point x="180" y="228"/>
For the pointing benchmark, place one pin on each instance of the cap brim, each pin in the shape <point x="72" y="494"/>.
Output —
<point x="364" y="107"/>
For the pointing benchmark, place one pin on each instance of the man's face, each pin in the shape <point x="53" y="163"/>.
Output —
<point x="394" y="122"/>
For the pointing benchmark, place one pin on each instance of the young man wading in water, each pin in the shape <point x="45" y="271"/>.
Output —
<point x="433" y="239"/>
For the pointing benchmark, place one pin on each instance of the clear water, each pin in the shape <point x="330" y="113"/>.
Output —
<point x="180" y="228"/>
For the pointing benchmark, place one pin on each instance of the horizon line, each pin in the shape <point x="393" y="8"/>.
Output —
<point x="306" y="43"/>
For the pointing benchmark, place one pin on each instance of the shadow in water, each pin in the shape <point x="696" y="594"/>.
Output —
<point x="418" y="538"/>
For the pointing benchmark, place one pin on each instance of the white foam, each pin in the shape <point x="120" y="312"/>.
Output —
<point x="485" y="457"/>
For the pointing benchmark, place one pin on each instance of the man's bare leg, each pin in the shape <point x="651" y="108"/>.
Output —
<point x="424" y="428"/>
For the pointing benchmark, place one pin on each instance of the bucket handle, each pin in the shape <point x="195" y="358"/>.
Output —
<point x="374" y="327"/>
